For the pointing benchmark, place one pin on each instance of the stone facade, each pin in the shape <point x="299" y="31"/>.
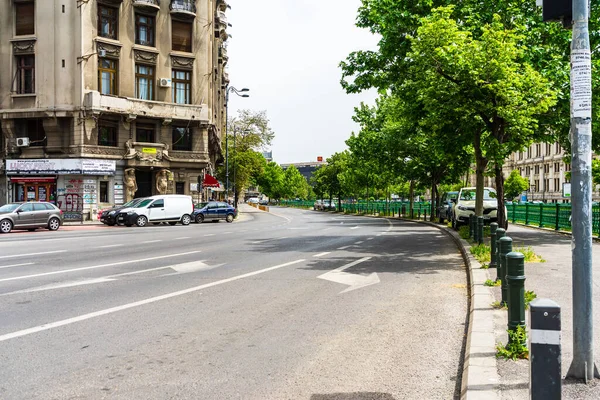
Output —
<point x="97" y="80"/>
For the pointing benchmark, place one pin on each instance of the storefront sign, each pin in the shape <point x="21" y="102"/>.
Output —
<point x="61" y="166"/>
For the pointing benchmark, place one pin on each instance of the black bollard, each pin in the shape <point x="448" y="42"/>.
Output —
<point x="480" y="230"/>
<point x="493" y="227"/>
<point x="504" y="247"/>
<point x="471" y="230"/>
<point x="500" y="232"/>
<point x="545" y="380"/>
<point x="515" y="281"/>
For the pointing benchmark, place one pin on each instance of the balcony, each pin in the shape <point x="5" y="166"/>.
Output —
<point x="131" y="107"/>
<point x="184" y="8"/>
<point x="147" y="5"/>
<point x="222" y="5"/>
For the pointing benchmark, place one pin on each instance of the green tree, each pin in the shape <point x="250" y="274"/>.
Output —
<point x="271" y="181"/>
<point x="294" y="184"/>
<point x="515" y="184"/>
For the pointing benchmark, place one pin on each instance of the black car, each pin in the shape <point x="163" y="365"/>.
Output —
<point x="214" y="211"/>
<point x="109" y="216"/>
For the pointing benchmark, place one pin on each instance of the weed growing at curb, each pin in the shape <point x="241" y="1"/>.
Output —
<point x="529" y="254"/>
<point x="482" y="252"/>
<point x="516" y="347"/>
<point x="463" y="231"/>
<point x="500" y="306"/>
<point x="529" y="297"/>
<point x="492" y="283"/>
<point x="485" y="266"/>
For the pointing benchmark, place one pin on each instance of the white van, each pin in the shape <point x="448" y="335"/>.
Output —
<point x="171" y="208"/>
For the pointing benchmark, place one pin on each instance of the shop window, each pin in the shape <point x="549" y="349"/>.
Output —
<point x="144" y="30"/>
<point x="103" y="192"/>
<point x="179" y="187"/>
<point x="182" y="138"/>
<point x="144" y="82"/>
<point x="182" y="87"/>
<point x="32" y="128"/>
<point x="181" y="36"/>
<point x="107" y="76"/>
<point x="24" y="18"/>
<point x="25" y="78"/>
<point x="108" y="22"/>
<point x="144" y="133"/>
<point x="107" y="133"/>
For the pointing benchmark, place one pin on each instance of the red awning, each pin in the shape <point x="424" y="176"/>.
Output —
<point x="210" y="181"/>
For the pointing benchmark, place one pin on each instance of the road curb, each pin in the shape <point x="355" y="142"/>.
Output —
<point x="480" y="379"/>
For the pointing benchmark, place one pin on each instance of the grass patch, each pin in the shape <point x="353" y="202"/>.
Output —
<point x="529" y="297"/>
<point x="516" y="347"/>
<point x="463" y="231"/>
<point x="492" y="283"/>
<point x="500" y="306"/>
<point x="485" y="266"/>
<point x="529" y="254"/>
<point x="482" y="252"/>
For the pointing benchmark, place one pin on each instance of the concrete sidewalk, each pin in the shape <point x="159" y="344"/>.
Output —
<point x="550" y="279"/>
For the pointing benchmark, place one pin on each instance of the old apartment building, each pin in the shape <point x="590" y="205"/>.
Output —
<point x="104" y="100"/>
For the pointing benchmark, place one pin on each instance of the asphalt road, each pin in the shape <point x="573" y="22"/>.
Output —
<point x="284" y="305"/>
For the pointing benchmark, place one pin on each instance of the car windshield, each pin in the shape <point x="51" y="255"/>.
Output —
<point x="143" y="203"/>
<point x="9" y="207"/>
<point x="470" y="194"/>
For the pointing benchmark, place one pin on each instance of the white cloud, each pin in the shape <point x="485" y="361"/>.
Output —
<point x="288" y="53"/>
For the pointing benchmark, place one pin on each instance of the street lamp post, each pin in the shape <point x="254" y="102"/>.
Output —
<point x="240" y="93"/>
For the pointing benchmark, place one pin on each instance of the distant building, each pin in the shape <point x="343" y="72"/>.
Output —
<point x="268" y="155"/>
<point x="306" y="168"/>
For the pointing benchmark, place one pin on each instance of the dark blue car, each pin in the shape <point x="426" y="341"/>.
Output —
<point x="214" y="211"/>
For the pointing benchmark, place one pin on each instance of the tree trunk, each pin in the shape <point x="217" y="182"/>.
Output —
<point x="480" y="165"/>
<point x="411" y="198"/>
<point x="500" y="193"/>
<point x="433" y="195"/>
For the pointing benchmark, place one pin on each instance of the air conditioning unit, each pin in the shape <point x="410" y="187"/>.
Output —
<point x="23" y="142"/>
<point x="164" y="82"/>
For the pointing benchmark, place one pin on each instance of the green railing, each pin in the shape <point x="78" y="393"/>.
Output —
<point x="382" y="208"/>
<point x="554" y="216"/>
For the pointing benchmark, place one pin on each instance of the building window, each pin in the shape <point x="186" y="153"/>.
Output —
<point x="538" y="150"/>
<point x="181" y="36"/>
<point x="558" y="148"/>
<point x="567" y="167"/>
<point x="546" y="168"/>
<point x="107" y="76"/>
<point x="107" y="133"/>
<point x="144" y="30"/>
<point x="179" y="187"/>
<point x="527" y="171"/>
<point x="556" y="185"/>
<point x="537" y="169"/>
<point x="108" y="22"/>
<point x="103" y="192"/>
<point x="529" y="152"/>
<point x="520" y="155"/>
<point x="546" y="185"/>
<point x="144" y="133"/>
<point x="182" y="139"/>
<point x="24" y="18"/>
<point x="32" y="128"/>
<point x="548" y="148"/>
<point x="25" y="74"/>
<point x="182" y="87"/>
<point x="556" y="167"/>
<point x="144" y="82"/>
<point x="537" y="185"/>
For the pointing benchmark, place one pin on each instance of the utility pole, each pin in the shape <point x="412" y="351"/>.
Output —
<point x="582" y="366"/>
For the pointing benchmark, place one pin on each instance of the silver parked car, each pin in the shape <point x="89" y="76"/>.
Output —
<point x="30" y="216"/>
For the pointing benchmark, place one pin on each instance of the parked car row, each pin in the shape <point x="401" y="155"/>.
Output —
<point x="464" y="206"/>
<point x="30" y="216"/>
<point x="322" y="205"/>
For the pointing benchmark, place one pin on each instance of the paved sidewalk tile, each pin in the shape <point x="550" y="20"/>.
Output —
<point x="550" y="279"/>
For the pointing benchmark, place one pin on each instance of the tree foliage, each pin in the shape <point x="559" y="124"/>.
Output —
<point x="514" y="185"/>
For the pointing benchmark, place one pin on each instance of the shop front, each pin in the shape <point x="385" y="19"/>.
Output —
<point x="78" y="186"/>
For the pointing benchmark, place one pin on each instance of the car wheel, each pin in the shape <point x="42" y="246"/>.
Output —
<point x="199" y="218"/>
<point x="53" y="224"/>
<point x="5" y="226"/>
<point x="172" y="223"/>
<point x="186" y="219"/>
<point x="229" y="218"/>
<point x="141" y="221"/>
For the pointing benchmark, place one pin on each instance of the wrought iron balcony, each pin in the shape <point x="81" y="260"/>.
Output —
<point x="150" y="5"/>
<point x="184" y="8"/>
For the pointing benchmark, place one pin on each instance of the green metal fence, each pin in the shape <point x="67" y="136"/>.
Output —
<point x="382" y="208"/>
<point x="555" y="216"/>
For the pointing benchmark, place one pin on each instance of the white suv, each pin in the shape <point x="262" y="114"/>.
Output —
<point x="465" y="206"/>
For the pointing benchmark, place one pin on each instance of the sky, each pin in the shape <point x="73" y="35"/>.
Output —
<point x="287" y="52"/>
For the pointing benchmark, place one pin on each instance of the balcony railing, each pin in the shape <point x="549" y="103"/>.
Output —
<point x="184" y="7"/>
<point x="147" y="4"/>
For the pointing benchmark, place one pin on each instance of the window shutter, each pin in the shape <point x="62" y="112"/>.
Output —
<point x="24" y="19"/>
<point x="181" y="36"/>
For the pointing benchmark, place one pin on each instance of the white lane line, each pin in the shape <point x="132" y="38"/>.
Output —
<point x="354" y="227"/>
<point x="34" y="254"/>
<point x="181" y="238"/>
<point x="15" y="265"/>
<point x="110" y="245"/>
<point x="258" y="241"/>
<point x="322" y="254"/>
<point x="209" y="234"/>
<point x="152" y="241"/>
<point x="150" y="300"/>
<point x="226" y="233"/>
<point x="369" y="238"/>
<point x="359" y="242"/>
<point x="64" y="271"/>
<point x="343" y="247"/>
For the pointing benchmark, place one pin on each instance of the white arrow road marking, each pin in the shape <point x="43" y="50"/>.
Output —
<point x="150" y="300"/>
<point x="193" y="266"/>
<point x="355" y="281"/>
